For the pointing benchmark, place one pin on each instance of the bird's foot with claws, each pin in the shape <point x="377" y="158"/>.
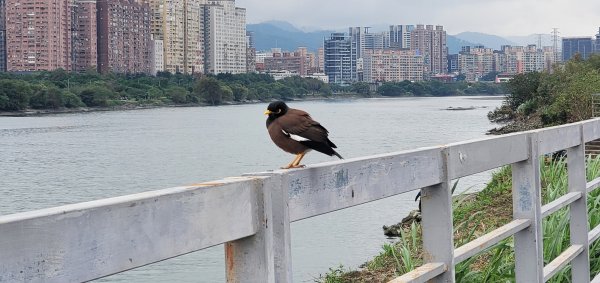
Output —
<point x="290" y="166"/>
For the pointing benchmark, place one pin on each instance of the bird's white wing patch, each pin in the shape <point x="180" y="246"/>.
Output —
<point x="294" y="137"/>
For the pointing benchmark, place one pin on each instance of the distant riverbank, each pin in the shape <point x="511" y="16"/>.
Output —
<point x="136" y="106"/>
<point x="140" y="106"/>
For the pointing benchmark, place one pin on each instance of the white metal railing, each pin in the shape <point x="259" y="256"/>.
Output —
<point x="252" y="214"/>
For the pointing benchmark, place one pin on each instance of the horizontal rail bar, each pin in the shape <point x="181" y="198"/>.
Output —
<point x="561" y="261"/>
<point x="593" y="184"/>
<point x="557" y="138"/>
<point x="559" y="203"/>
<point x="85" y="241"/>
<point x="331" y="186"/>
<point x="467" y="158"/>
<point x="421" y="274"/>
<point x="591" y="129"/>
<point x="593" y="235"/>
<point x="474" y="247"/>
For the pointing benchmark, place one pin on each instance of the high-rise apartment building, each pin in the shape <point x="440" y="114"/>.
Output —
<point x="295" y="62"/>
<point x="124" y="39"/>
<point x="453" y="63"/>
<point x="576" y="45"/>
<point x="363" y="40"/>
<point x="549" y="58"/>
<point x="157" y="59"/>
<point x="2" y="36"/>
<point x="510" y="60"/>
<point x="476" y="62"/>
<point x="84" y="35"/>
<point x="250" y="52"/>
<point x="340" y="59"/>
<point x="38" y="35"/>
<point x="533" y="59"/>
<point x="320" y="60"/>
<point x="400" y="36"/>
<point x="224" y="37"/>
<point x="358" y="37"/>
<point x="392" y="65"/>
<point x="178" y="23"/>
<point x="597" y="42"/>
<point x="431" y="43"/>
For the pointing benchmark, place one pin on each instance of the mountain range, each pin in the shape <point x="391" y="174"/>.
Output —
<point x="280" y="34"/>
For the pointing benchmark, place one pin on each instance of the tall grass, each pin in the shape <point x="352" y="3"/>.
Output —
<point x="500" y="266"/>
<point x="474" y="218"/>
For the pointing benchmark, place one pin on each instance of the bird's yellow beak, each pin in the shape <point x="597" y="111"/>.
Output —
<point x="268" y="112"/>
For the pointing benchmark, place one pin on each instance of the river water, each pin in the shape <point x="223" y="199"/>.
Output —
<point x="53" y="160"/>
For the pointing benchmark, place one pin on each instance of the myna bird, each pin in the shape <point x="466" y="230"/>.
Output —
<point x="296" y="132"/>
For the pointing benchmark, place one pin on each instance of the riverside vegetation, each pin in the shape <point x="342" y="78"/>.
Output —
<point x="61" y="90"/>
<point x="538" y="100"/>
<point x="535" y="100"/>
<point x="475" y="216"/>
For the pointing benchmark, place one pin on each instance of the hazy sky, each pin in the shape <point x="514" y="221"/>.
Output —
<point x="504" y="18"/>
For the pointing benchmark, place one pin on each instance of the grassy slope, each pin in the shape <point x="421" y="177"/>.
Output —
<point x="475" y="216"/>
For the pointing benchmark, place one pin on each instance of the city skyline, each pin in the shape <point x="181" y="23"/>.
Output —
<point x="503" y="18"/>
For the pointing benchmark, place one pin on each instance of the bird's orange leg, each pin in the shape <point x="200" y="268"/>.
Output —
<point x="297" y="160"/>
<point x="291" y="165"/>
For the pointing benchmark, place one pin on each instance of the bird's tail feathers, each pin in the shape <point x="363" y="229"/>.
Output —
<point x="337" y="154"/>
<point x="321" y="147"/>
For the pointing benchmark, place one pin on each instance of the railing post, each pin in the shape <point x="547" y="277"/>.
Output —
<point x="526" y="190"/>
<point x="580" y="266"/>
<point x="264" y="257"/>
<point x="436" y="213"/>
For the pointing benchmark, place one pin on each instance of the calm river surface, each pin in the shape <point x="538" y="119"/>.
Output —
<point x="53" y="160"/>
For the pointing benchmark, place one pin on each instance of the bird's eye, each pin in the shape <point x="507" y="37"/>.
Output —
<point x="278" y="111"/>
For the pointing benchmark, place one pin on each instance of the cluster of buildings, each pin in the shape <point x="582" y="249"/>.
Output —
<point x="475" y="62"/>
<point x="209" y="36"/>
<point x="415" y="53"/>
<point x="405" y="52"/>
<point x="123" y="36"/>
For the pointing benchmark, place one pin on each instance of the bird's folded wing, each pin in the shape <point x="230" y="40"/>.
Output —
<point x="298" y="122"/>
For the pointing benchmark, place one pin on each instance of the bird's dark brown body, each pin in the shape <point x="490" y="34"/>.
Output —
<point x="296" y="132"/>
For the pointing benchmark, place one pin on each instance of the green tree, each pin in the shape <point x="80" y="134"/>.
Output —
<point x="284" y="91"/>
<point x="96" y="96"/>
<point x="47" y="97"/>
<point x="521" y="88"/>
<point x="362" y="88"/>
<point x="14" y="94"/>
<point x="71" y="100"/>
<point x="209" y="89"/>
<point x="226" y="93"/>
<point x="393" y="89"/>
<point x="240" y="92"/>
<point x="177" y="94"/>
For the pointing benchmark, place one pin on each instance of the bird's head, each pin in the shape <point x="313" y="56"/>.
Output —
<point x="276" y="109"/>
